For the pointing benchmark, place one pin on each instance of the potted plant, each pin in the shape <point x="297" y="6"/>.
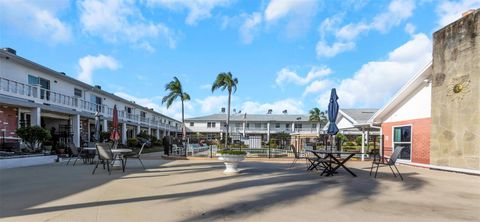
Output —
<point x="33" y="136"/>
<point x="231" y="158"/>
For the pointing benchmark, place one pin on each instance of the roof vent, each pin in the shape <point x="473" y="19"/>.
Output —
<point x="269" y="111"/>
<point x="63" y="73"/>
<point x="98" y="87"/>
<point x="222" y="110"/>
<point x="285" y="112"/>
<point x="10" y="50"/>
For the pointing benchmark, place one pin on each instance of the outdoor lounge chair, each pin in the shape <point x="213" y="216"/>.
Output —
<point x="75" y="154"/>
<point x="377" y="160"/>
<point x="105" y="156"/>
<point x="135" y="156"/>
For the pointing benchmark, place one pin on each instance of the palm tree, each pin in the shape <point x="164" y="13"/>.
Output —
<point x="226" y="81"/>
<point x="176" y="91"/>
<point x="318" y="116"/>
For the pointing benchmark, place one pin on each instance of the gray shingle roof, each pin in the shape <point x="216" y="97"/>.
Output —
<point x="360" y="115"/>
<point x="253" y="117"/>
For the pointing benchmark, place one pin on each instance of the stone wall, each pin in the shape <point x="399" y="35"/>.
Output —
<point x="455" y="132"/>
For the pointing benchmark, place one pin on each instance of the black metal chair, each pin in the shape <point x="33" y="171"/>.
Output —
<point x="75" y="154"/>
<point x="377" y="160"/>
<point x="105" y="156"/>
<point x="135" y="156"/>
<point x="296" y="156"/>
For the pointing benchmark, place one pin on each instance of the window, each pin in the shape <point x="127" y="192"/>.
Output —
<point x="277" y="125"/>
<point x="33" y="80"/>
<point x="248" y="125"/>
<point x="402" y="137"/>
<point x="143" y="114"/>
<point x="314" y="125"/>
<point x="258" y="125"/>
<point x="210" y="124"/>
<point x="298" y="126"/>
<point x="287" y="125"/>
<point x="237" y="125"/>
<point x="77" y="92"/>
<point x="192" y="124"/>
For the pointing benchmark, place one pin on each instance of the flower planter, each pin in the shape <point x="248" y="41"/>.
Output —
<point x="231" y="162"/>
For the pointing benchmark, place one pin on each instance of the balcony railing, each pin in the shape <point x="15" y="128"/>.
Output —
<point x="39" y="95"/>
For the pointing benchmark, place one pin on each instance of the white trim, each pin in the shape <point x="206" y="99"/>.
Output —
<point x="411" y="141"/>
<point x="399" y="96"/>
<point x="453" y="169"/>
<point x="347" y="117"/>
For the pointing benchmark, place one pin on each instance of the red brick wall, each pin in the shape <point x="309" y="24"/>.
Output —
<point x="8" y="114"/>
<point x="420" y="138"/>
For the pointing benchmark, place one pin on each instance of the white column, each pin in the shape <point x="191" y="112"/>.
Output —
<point x="105" y="125"/>
<point x="318" y="128"/>
<point x="124" y="133"/>
<point x="158" y="133"/>
<point x="35" y="119"/>
<point x="363" y="144"/>
<point x="149" y="131"/>
<point x="88" y="130"/>
<point x="138" y="130"/>
<point x="244" y="125"/>
<point x="76" y="130"/>
<point x="268" y="132"/>
<point x="293" y="127"/>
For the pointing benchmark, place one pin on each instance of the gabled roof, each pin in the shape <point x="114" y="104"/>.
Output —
<point x="253" y="117"/>
<point x="358" y="116"/>
<point x="417" y="80"/>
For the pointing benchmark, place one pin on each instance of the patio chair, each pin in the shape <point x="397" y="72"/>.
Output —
<point x="296" y="156"/>
<point x="377" y="160"/>
<point x="135" y="156"/>
<point x="105" y="155"/>
<point x="75" y="154"/>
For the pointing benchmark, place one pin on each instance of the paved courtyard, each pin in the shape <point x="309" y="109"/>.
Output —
<point x="196" y="190"/>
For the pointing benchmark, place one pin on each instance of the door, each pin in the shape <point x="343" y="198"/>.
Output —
<point x="44" y="89"/>
<point x="402" y="137"/>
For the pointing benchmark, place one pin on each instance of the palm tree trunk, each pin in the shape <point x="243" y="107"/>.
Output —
<point x="184" y="132"/>
<point x="228" y="118"/>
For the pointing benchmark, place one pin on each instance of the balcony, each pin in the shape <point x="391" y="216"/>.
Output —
<point x="44" y="96"/>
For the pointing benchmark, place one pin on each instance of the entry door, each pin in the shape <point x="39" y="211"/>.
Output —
<point x="402" y="137"/>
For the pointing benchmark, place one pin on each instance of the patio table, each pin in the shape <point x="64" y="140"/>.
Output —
<point x="118" y="154"/>
<point x="334" y="163"/>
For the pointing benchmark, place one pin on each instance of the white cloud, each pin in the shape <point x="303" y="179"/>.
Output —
<point x="89" y="63"/>
<point x="286" y="75"/>
<point x="174" y="111"/>
<point x="377" y="81"/>
<point x="325" y="50"/>
<point x="250" y="27"/>
<point x="198" y="9"/>
<point x="278" y="9"/>
<point x="213" y="104"/>
<point x="449" y="11"/>
<point x="121" y="21"/>
<point x="317" y="86"/>
<point x="410" y="28"/>
<point x="397" y="12"/>
<point x="36" y="19"/>
<point x="294" y="106"/>
<point x="206" y="86"/>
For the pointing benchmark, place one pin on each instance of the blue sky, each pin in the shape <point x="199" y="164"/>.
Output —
<point x="287" y="54"/>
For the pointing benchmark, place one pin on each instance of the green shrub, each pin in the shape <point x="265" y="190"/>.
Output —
<point x="132" y="142"/>
<point x="105" y="136"/>
<point x="358" y="140"/>
<point x="33" y="136"/>
<point x="350" y="143"/>
<point x="232" y="152"/>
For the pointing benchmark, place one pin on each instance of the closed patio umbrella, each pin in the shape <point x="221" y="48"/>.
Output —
<point x="332" y="114"/>
<point x="97" y="127"/>
<point x="115" y="136"/>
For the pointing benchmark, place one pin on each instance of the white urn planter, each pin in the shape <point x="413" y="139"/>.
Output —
<point x="231" y="162"/>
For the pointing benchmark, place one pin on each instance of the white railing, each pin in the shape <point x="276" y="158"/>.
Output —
<point x="39" y="95"/>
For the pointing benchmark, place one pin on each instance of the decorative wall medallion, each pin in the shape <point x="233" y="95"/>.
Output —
<point x="458" y="87"/>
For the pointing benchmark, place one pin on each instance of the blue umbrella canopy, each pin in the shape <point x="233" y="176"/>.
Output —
<point x="332" y="113"/>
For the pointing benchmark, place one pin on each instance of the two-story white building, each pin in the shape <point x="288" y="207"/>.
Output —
<point x="32" y="94"/>
<point x="242" y="125"/>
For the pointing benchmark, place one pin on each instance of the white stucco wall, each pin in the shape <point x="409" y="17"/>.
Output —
<point x="416" y="106"/>
<point x="344" y="123"/>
